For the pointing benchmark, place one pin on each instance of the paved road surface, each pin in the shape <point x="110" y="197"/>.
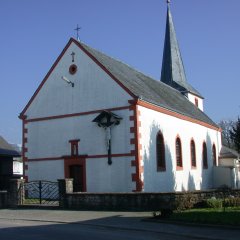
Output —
<point x="60" y="225"/>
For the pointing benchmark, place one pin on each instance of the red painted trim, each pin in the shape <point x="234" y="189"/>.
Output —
<point x="133" y="163"/>
<point x="174" y="114"/>
<point x="214" y="152"/>
<point x="163" y="167"/>
<point x="131" y="118"/>
<point x="112" y="155"/>
<point x="81" y="156"/>
<point x="75" y="114"/>
<point x="204" y="146"/>
<point x="24" y="149"/>
<point x="132" y="141"/>
<point x="74" y="146"/>
<point x="138" y="146"/>
<point x="193" y="167"/>
<point x="179" y="168"/>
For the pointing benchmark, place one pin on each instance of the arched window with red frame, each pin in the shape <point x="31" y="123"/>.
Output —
<point x="179" y="154"/>
<point x="214" y="155"/>
<point x="193" y="154"/>
<point x="160" y="152"/>
<point x="204" y="156"/>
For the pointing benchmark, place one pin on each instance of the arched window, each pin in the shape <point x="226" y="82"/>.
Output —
<point x="214" y="155"/>
<point x="161" y="165"/>
<point x="193" y="154"/>
<point x="179" y="154"/>
<point x="204" y="156"/>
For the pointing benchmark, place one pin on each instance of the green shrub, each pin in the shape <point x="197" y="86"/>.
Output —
<point x="213" y="203"/>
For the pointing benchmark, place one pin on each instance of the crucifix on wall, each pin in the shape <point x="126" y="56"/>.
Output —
<point x="107" y="120"/>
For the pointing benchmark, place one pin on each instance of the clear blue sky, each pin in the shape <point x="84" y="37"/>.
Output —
<point x="34" y="32"/>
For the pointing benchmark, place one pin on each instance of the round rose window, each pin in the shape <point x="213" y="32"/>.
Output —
<point x="73" y="69"/>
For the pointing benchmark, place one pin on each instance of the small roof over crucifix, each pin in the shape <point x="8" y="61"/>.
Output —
<point x="107" y="119"/>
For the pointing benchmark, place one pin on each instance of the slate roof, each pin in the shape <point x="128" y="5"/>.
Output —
<point x="173" y="72"/>
<point x="6" y="149"/>
<point x="148" y="89"/>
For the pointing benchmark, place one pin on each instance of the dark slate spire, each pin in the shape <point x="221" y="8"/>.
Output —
<point x="173" y="72"/>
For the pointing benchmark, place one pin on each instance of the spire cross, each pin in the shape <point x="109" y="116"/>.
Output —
<point x="77" y="29"/>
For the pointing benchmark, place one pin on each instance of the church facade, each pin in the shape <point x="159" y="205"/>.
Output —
<point x="113" y="129"/>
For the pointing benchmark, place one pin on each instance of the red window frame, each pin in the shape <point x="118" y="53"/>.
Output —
<point x="74" y="147"/>
<point x="193" y="154"/>
<point x="178" y="146"/>
<point x="204" y="156"/>
<point x="214" y="155"/>
<point x="160" y="152"/>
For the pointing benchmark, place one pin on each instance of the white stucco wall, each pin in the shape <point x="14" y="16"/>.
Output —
<point x="93" y="89"/>
<point x="110" y="178"/>
<point x="192" y="97"/>
<point x="45" y="170"/>
<point x="51" y="138"/>
<point x="171" y="127"/>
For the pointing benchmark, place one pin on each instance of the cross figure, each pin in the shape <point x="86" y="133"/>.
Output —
<point x="77" y="30"/>
<point x="73" y="54"/>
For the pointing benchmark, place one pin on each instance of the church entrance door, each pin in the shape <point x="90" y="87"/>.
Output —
<point x="75" y="168"/>
<point x="76" y="172"/>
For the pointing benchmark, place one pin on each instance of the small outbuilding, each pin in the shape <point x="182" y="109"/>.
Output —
<point x="8" y="158"/>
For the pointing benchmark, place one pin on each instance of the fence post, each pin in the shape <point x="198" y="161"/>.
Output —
<point x="16" y="192"/>
<point x="65" y="186"/>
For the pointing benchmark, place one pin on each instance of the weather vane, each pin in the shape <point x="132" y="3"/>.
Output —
<point x="77" y="30"/>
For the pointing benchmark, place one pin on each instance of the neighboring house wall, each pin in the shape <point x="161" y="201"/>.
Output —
<point x="171" y="127"/>
<point x="226" y="162"/>
<point x="224" y="176"/>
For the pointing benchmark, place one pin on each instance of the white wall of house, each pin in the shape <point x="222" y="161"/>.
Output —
<point x="226" y="162"/>
<point x="171" y="127"/>
<point x="224" y="176"/>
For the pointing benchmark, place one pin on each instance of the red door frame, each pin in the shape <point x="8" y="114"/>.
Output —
<point x="75" y="160"/>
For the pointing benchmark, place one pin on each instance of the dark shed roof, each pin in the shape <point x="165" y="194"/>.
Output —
<point x="6" y="149"/>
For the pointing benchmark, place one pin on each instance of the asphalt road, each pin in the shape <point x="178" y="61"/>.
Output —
<point x="36" y="224"/>
<point x="32" y="230"/>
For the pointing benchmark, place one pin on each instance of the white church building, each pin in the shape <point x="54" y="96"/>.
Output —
<point x="113" y="129"/>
